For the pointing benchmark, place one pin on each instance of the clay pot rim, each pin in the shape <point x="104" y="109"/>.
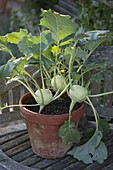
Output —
<point x="37" y="113"/>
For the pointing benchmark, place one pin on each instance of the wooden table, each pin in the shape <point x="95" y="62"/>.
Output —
<point x="16" y="153"/>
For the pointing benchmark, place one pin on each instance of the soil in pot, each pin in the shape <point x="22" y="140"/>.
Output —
<point x="57" y="107"/>
<point x="43" y="128"/>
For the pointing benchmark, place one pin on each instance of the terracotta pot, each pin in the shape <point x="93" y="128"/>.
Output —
<point x="43" y="130"/>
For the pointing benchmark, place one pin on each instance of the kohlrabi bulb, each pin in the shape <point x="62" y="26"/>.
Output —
<point x="47" y="96"/>
<point x="58" y="82"/>
<point x="78" y="93"/>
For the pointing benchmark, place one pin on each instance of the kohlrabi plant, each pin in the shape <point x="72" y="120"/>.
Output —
<point x="60" y="55"/>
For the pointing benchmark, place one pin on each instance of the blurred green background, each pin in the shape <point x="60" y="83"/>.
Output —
<point x="90" y="14"/>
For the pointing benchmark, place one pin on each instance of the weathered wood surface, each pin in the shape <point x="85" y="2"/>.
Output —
<point x="12" y="128"/>
<point x="18" y="148"/>
<point x="66" y="7"/>
<point x="7" y="163"/>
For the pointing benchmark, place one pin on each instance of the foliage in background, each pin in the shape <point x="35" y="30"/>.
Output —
<point x="29" y="15"/>
<point x="95" y="14"/>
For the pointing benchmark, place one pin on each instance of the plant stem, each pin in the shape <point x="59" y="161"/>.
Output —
<point x="70" y="65"/>
<point x="80" y="68"/>
<point x="29" y="89"/>
<point x="41" y="72"/>
<point x="95" y="113"/>
<point x="84" y="61"/>
<point x="17" y="105"/>
<point x="46" y="72"/>
<point x="82" y="79"/>
<point x="13" y="57"/>
<point x="101" y="94"/>
<point x="37" y="86"/>
<point x="70" y="109"/>
<point x="41" y="108"/>
<point x="27" y="83"/>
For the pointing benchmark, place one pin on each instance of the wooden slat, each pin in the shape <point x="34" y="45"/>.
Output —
<point x="10" y="137"/>
<point x="13" y="151"/>
<point x="23" y="156"/>
<point x="4" y="100"/>
<point x="22" y="90"/>
<point x="0" y="104"/>
<point x="105" y="112"/>
<point x="8" y="164"/>
<point x="62" y="163"/>
<point x="45" y="163"/>
<point x="4" y="87"/>
<point x="10" y="99"/>
<point x="12" y="129"/>
<point x="74" y="166"/>
<point x="32" y="160"/>
<point x="66" y="7"/>
<point x="108" y="86"/>
<point x="2" y="168"/>
<point x="15" y="142"/>
<point x="95" y="88"/>
<point x="69" y="7"/>
<point x="109" y="167"/>
<point x="10" y="119"/>
<point x="16" y="95"/>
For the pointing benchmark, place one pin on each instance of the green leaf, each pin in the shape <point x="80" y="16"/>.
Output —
<point x="100" y="153"/>
<point x="10" y="68"/>
<point x="61" y="26"/>
<point x="92" y="45"/>
<point x="34" y="61"/>
<point x="55" y="49"/>
<point x="68" y="133"/>
<point x="20" y="67"/>
<point x="48" y="83"/>
<point x="82" y="54"/>
<point x="46" y="40"/>
<point x="75" y="76"/>
<point x="15" y="37"/>
<point x="35" y="44"/>
<point x="4" y="48"/>
<point x="3" y="40"/>
<point x="94" y="35"/>
<point x="67" y="55"/>
<point x="48" y="54"/>
<point x="98" y="77"/>
<point x="93" y="150"/>
<point x="93" y="66"/>
<point x="46" y="61"/>
<point x="28" y="47"/>
<point x="89" y="132"/>
<point x="7" y="69"/>
<point x="104" y="125"/>
<point x="67" y="42"/>
<point x="94" y="38"/>
<point x="80" y="34"/>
